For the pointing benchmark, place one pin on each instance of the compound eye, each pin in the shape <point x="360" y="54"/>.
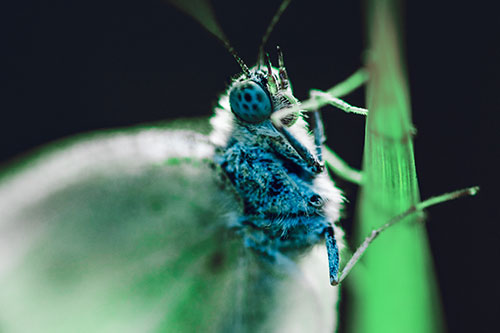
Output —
<point x="249" y="102"/>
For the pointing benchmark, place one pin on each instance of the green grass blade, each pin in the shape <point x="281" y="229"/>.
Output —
<point x="394" y="287"/>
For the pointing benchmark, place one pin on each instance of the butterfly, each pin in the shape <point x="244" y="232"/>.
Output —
<point x="94" y="239"/>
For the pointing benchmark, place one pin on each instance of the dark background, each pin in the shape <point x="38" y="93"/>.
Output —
<point x="77" y="66"/>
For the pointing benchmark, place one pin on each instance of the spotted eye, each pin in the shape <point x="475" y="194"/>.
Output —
<point x="249" y="102"/>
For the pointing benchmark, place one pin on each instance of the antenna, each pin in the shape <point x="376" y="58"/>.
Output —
<point x="202" y="12"/>
<point x="274" y="20"/>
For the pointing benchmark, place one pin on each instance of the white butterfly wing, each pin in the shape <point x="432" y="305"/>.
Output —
<point x="126" y="231"/>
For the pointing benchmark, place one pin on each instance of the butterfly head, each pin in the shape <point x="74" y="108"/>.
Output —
<point x="260" y="92"/>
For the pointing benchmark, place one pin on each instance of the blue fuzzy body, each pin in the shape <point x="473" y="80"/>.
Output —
<point x="287" y="205"/>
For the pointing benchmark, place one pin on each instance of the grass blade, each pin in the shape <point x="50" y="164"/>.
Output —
<point x="396" y="291"/>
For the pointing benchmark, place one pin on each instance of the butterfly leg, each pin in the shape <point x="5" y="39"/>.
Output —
<point x="415" y="209"/>
<point x="333" y="161"/>
<point x="319" y="134"/>
<point x="341" y="168"/>
<point x="333" y="255"/>
<point x="313" y="164"/>
<point x="352" y="83"/>
<point x="320" y="98"/>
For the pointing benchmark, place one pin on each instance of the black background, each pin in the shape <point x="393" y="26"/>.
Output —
<point x="76" y="66"/>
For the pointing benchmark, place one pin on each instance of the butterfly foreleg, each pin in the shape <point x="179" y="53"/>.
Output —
<point x="292" y="149"/>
